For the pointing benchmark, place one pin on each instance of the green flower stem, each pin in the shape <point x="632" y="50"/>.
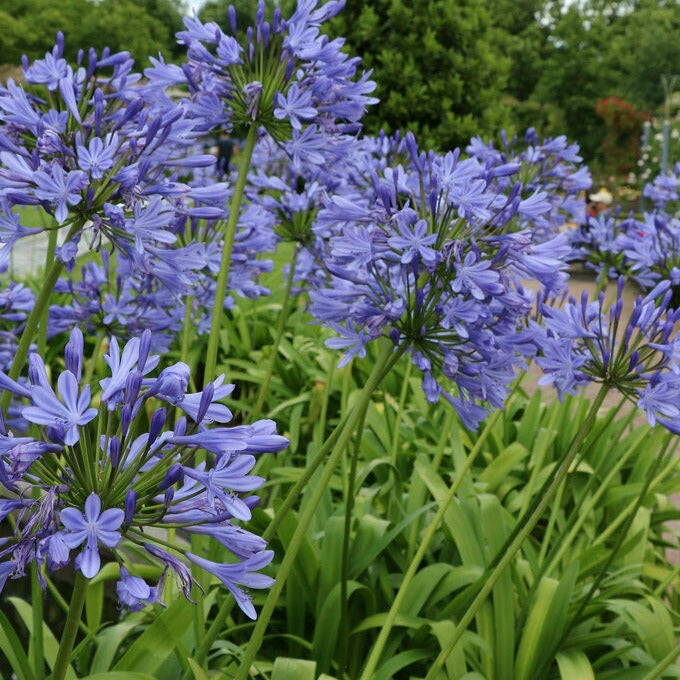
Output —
<point x="376" y="652"/>
<point x="611" y="556"/>
<point x="397" y="422"/>
<point x="227" y="249"/>
<point x="37" y="644"/>
<point x="527" y="528"/>
<point x="39" y="309"/>
<point x="49" y="259"/>
<point x="296" y="490"/>
<point x="90" y="364"/>
<point x="274" y="349"/>
<point x="584" y="511"/>
<point x="660" y="667"/>
<point x="216" y="323"/>
<point x="320" y="426"/>
<point x="186" y="329"/>
<point x="300" y="485"/>
<point x="419" y="489"/>
<point x="344" y="569"/>
<point x="384" y="364"/>
<point x="71" y="628"/>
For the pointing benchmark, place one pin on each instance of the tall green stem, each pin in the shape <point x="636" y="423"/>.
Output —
<point x="49" y="259"/>
<point x="68" y="637"/>
<point x="384" y="364"/>
<point x="522" y="535"/>
<point x="397" y="422"/>
<point x="51" y="277"/>
<point x="289" y="501"/>
<point x="227" y="248"/>
<point x="344" y="570"/>
<point x="37" y="645"/>
<point x="371" y="664"/>
<point x="281" y="327"/>
<point x="611" y="556"/>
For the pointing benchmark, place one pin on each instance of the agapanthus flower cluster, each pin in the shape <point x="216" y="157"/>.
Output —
<point x="550" y="171"/>
<point x="596" y="244"/>
<point x="97" y="473"/>
<point x="638" y="355"/>
<point x="16" y="301"/>
<point x="287" y="78"/>
<point x="664" y="190"/>
<point x="116" y="297"/>
<point x="431" y="257"/>
<point x="292" y="194"/>
<point x="645" y="249"/>
<point x="80" y="141"/>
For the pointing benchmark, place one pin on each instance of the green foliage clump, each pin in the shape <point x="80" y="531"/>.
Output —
<point x="437" y="64"/>
<point x="143" y="27"/>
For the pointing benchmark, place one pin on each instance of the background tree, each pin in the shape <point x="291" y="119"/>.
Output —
<point x="143" y="27"/>
<point x="437" y="64"/>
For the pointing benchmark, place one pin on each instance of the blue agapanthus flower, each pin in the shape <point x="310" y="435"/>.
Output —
<point x="287" y="78"/>
<point x="551" y="175"/>
<point x="105" y="470"/>
<point x="81" y="142"/>
<point x="637" y="354"/>
<point x="428" y="250"/>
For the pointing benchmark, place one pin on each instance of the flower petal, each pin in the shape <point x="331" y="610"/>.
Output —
<point x="73" y="519"/>
<point x="93" y="506"/>
<point x="89" y="561"/>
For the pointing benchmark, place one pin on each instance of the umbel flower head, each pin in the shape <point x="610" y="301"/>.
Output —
<point x="429" y="255"/>
<point x="550" y="173"/>
<point x="585" y="341"/>
<point x="103" y="471"/>
<point x="79" y="141"/>
<point x="286" y="77"/>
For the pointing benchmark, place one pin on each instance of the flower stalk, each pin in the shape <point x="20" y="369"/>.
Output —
<point x="71" y="628"/>
<point x="527" y="528"/>
<point x="384" y="364"/>
<point x="49" y="259"/>
<point x="281" y="327"/>
<point x="371" y="664"/>
<point x="227" y="249"/>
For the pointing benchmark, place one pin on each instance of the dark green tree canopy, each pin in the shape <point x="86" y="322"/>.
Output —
<point x="437" y="64"/>
<point x="143" y="27"/>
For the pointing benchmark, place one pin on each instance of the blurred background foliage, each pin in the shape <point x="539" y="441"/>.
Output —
<point x="445" y="70"/>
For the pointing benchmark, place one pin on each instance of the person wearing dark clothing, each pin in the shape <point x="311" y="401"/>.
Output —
<point x="225" y="150"/>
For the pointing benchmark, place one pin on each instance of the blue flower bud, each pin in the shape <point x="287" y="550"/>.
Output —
<point x="206" y="400"/>
<point x="156" y="425"/>
<point x="114" y="451"/>
<point x="173" y="475"/>
<point x="130" y="506"/>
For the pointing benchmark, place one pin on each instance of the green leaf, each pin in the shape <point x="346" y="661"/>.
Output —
<point x="328" y="623"/>
<point x="120" y="675"/>
<point x="110" y="639"/>
<point x="400" y="661"/>
<point x="500" y="467"/>
<point x="199" y="673"/>
<point x="158" y="641"/>
<point x="545" y="623"/>
<point x="50" y="644"/>
<point x="11" y="647"/>
<point x="574" y="665"/>
<point x="293" y="669"/>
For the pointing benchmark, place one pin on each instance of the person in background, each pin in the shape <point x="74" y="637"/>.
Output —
<point x="226" y="148"/>
<point x="599" y="202"/>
